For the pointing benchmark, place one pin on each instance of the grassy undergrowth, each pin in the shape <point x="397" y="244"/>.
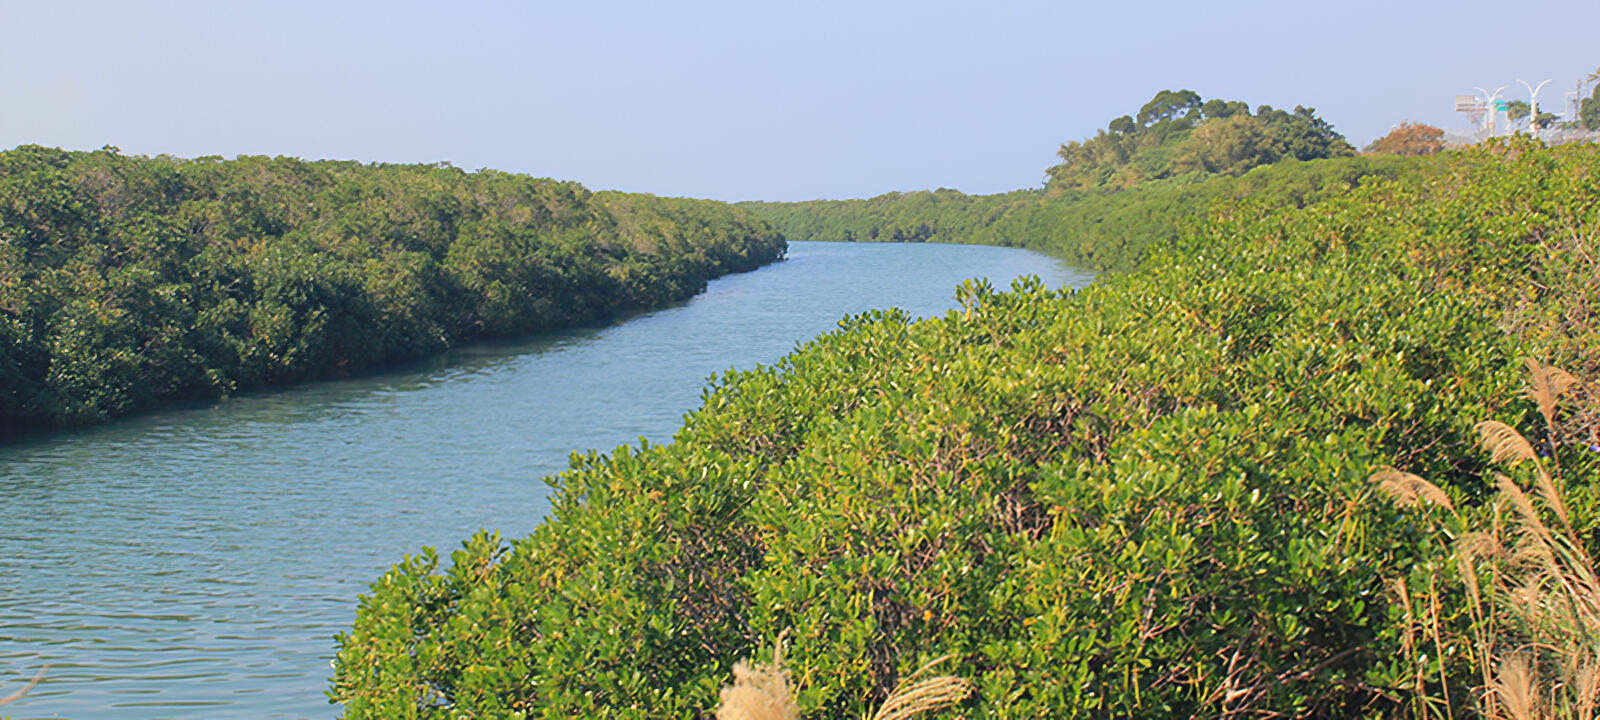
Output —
<point x="1145" y="498"/>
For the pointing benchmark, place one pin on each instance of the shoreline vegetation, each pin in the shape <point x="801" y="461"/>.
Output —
<point x="129" y="282"/>
<point x="1102" y="229"/>
<point x="1151" y="497"/>
<point x="1145" y="178"/>
<point x="1281" y="461"/>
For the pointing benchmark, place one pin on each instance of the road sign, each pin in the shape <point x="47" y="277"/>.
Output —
<point x="1467" y="103"/>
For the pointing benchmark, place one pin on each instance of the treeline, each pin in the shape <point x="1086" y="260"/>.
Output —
<point x="1179" y="133"/>
<point x="1139" y="181"/>
<point x="126" y="281"/>
<point x="1147" y="498"/>
<point x="1101" y="228"/>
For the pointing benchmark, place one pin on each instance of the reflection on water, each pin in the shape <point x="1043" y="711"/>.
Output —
<point x="196" y="562"/>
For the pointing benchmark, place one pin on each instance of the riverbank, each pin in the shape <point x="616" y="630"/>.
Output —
<point x="190" y="562"/>
<point x="1105" y="229"/>
<point x="1146" y="498"/>
<point x="129" y="282"/>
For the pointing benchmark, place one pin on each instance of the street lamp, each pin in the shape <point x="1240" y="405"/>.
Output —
<point x="1488" y="101"/>
<point x="1533" y="109"/>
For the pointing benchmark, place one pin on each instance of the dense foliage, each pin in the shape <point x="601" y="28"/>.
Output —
<point x="1589" y="107"/>
<point x="1178" y="133"/>
<point x="1142" y="180"/>
<point x="1409" y="138"/>
<point x="1103" y="228"/>
<point x="1145" y="498"/>
<point x="125" y="281"/>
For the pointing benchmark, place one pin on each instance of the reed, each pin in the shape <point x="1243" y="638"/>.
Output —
<point x="915" y="697"/>
<point x="759" y="692"/>
<point x="762" y="692"/>
<point x="1535" y="634"/>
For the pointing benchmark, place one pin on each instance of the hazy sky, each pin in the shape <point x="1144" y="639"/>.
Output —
<point x="741" y="100"/>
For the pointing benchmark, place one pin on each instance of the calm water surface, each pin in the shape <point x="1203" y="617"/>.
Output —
<point x="196" y="563"/>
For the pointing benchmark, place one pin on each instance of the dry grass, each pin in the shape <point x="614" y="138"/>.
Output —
<point x="916" y="698"/>
<point x="762" y="692"/>
<point x="1546" y="387"/>
<point x="1408" y="489"/>
<point x="1536" y="637"/>
<point x="759" y="692"/>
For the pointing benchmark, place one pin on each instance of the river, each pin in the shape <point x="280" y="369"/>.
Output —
<point x="196" y="562"/>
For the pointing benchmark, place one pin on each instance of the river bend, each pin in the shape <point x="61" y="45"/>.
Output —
<point x="196" y="562"/>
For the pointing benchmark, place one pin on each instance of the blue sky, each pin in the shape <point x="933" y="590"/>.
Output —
<point x="740" y="100"/>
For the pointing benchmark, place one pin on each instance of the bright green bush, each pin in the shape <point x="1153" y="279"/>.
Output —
<point x="1145" y="498"/>
<point x="127" y="281"/>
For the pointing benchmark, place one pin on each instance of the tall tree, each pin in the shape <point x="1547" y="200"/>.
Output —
<point x="1409" y="138"/>
<point x="1159" y="142"/>
<point x="1589" y="111"/>
<point x="1227" y="146"/>
<point x="1216" y="108"/>
<point x="1170" y="105"/>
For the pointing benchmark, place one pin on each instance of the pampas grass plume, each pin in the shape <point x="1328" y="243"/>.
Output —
<point x="935" y="693"/>
<point x="759" y="692"/>
<point x="1408" y="489"/>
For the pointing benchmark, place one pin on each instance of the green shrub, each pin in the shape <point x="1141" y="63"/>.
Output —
<point x="1145" y="498"/>
<point x="1103" y="229"/>
<point x="128" y="281"/>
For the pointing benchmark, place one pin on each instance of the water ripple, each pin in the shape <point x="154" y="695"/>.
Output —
<point x="197" y="562"/>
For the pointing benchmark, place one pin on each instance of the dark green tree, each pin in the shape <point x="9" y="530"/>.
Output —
<point x="129" y="281"/>
<point x="1589" y="112"/>
<point x="1216" y="109"/>
<point x="1303" y="135"/>
<point x="1170" y="105"/>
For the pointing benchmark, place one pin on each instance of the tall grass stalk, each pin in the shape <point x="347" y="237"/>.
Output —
<point x="1535" y="627"/>
<point x="759" y="692"/>
<point x="762" y="692"/>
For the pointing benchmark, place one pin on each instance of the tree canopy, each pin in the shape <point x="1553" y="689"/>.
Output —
<point x="1589" y="111"/>
<point x="127" y="281"/>
<point x="1178" y="133"/>
<point x="1409" y="138"/>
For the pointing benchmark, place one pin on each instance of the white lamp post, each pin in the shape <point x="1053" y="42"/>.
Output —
<point x="1533" y="102"/>
<point x="1488" y="102"/>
